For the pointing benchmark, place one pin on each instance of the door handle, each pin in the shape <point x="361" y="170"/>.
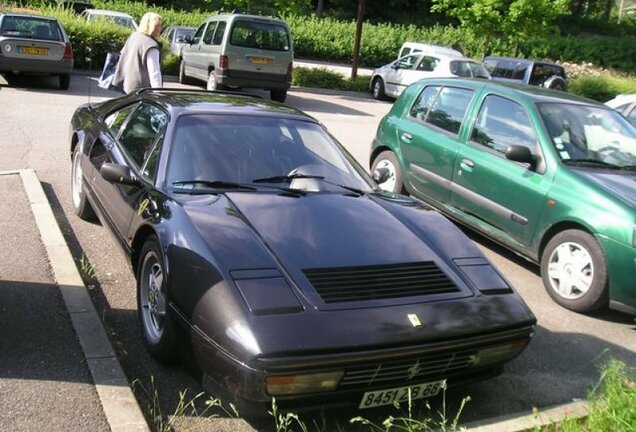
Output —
<point x="467" y="163"/>
<point x="406" y="137"/>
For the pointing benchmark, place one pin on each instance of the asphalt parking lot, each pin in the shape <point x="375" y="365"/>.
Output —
<point x="559" y="366"/>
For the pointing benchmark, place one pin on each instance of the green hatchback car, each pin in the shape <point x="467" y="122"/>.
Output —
<point x="547" y="174"/>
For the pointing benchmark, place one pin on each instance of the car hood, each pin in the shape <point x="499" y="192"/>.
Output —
<point x="621" y="184"/>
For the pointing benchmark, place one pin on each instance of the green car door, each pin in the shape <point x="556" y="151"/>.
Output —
<point x="503" y="197"/>
<point x="428" y="140"/>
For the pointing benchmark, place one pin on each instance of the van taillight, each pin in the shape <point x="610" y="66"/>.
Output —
<point x="68" y="51"/>
<point x="224" y="62"/>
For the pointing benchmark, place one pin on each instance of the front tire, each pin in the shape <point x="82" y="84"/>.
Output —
<point x="388" y="160"/>
<point x="574" y="271"/>
<point x="183" y="78"/>
<point x="378" y="89"/>
<point x="81" y="206"/>
<point x="156" y="323"/>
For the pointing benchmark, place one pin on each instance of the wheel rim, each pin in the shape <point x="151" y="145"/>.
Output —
<point x="211" y="82"/>
<point x="570" y="270"/>
<point x="389" y="184"/>
<point x="376" y="88"/>
<point x="152" y="296"/>
<point x="77" y="180"/>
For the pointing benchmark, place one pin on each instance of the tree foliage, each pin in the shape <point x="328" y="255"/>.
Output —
<point x="509" y="21"/>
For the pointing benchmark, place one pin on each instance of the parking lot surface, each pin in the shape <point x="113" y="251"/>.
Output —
<point x="560" y="365"/>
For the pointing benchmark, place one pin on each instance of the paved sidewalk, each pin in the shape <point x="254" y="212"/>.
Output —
<point x="58" y="371"/>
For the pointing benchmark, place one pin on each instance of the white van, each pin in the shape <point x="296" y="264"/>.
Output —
<point x="237" y="50"/>
<point x="419" y="47"/>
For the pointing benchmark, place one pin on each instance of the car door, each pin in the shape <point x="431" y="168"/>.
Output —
<point x="429" y="139"/>
<point x="137" y="137"/>
<point x="502" y="196"/>
<point x="397" y="73"/>
<point x="195" y="64"/>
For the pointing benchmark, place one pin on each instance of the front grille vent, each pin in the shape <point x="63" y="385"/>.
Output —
<point x="404" y="371"/>
<point x="364" y="283"/>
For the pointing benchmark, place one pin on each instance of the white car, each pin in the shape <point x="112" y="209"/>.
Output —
<point x="391" y="79"/>
<point x="120" y="18"/>
<point x="626" y="105"/>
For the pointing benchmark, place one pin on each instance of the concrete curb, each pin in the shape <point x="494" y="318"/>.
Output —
<point x="118" y="402"/>
<point x="532" y="421"/>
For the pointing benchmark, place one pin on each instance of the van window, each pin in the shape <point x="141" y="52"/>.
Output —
<point x="218" y="35"/>
<point x="260" y="35"/>
<point x="209" y="32"/>
<point x="197" y="36"/>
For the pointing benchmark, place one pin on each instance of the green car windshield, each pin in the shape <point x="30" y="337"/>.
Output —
<point x="587" y="133"/>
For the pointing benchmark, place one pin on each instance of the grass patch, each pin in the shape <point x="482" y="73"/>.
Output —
<point x="323" y="78"/>
<point x="602" y="88"/>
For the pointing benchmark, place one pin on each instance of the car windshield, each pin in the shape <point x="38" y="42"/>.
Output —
<point x="260" y="151"/>
<point x="28" y="27"/>
<point x="117" y="19"/>
<point x="589" y="133"/>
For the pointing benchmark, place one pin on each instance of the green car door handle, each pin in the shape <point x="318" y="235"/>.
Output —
<point x="466" y="164"/>
<point x="406" y="137"/>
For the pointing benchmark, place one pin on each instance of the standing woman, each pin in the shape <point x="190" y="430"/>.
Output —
<point x="139" y="65"/>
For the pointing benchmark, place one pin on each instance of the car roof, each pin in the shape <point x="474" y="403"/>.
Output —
<point x="249" y="16"/>
<point x="519" y="91"/>
<point x="107" y="12"/>
<point x="27" y="15"/>
<point x="202" y="101"/>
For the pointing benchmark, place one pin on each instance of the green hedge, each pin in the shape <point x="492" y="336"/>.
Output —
<point x="332" y="40"/>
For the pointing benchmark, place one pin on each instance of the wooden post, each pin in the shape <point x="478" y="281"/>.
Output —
<point x="356" y="43"/>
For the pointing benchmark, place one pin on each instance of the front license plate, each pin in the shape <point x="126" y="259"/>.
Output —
<point x="260" y="60"/>
<point x="401" y="394"/>
<point x="33" y="50"/>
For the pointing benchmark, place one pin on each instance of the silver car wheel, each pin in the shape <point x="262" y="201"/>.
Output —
<point x="389" y="184"/>
<point x="211" y="85"/>
<point x="152" y="297"/>
<point x="570" y="270"/>
<point x="78" y="180"/>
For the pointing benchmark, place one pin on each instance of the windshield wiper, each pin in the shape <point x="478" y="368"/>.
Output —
<point x="216" y="184"/>
<point x="286" y="178"/>
<point x="589" y="162"/>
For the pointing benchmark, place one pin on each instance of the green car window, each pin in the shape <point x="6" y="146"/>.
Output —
<point x="502" y="123"/>
<point x="442" y="107"/>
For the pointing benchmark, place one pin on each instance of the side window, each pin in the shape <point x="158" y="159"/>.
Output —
<point x="519" y="72"/>
<point x="149" y="169"/>
<point x="209" y="32"/>
<point x="218" y="35"/>
<point x="115" y="120"/>
<point x="141" y="132"/>
<point x="406" y="62"/>
<point x="502" y="123"/>
<point x="428" y="64"/>
<point x="404" y="52"/>
<point x="449" y="108"/>
<point x="424" y="101"/>
<point x="198" y="34"/>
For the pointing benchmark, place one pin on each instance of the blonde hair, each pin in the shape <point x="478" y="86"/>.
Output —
<point x="149" y="23"/>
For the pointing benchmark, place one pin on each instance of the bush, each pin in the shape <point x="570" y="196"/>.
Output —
<point x="601" y="88"/>
<point x="323" y="78"/>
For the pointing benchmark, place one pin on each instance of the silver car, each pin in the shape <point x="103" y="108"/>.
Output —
<point x="391" y="79"/>
<point x="34" y="45"/>
<point x="176" y="37"/>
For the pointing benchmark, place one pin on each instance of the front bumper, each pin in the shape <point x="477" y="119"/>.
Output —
<point x="454" y="360"/>
<point x="621" y="266"/>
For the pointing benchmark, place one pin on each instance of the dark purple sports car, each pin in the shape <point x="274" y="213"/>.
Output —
<point x="258" y="239"/>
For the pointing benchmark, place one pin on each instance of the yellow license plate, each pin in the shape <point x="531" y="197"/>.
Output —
<point x="33" y="50"/>
<point x="260" y="60"/>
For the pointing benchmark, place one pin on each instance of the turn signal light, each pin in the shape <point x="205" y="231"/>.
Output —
<point x="299" y="384"/>
<point x="498" y="354"/>
<point x="68" y="51"/>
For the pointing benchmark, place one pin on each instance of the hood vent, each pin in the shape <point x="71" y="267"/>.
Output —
<point x="364" y="283"/>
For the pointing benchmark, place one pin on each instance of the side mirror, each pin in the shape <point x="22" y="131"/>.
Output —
<point x="118" y="174"/>
<point x="380" y="175"/>
<point x="187" y="39"/>
<point x="520" y="154"/>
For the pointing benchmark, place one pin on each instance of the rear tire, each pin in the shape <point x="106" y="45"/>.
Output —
<point x="183" y="78"/>
<point x="155" y="320"/>
<point x="211" y="84"/>
<point x="65" y="81"/>
<point x="388" y="160"/>
<point x="278" y="95"/>
<point x="574" y="271"/>
<point x="378" y="89"/>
